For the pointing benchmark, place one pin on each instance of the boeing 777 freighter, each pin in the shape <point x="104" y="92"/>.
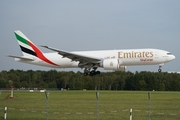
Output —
<point x="90" y="60"/>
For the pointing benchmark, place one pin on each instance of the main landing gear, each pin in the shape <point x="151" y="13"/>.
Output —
<point x="91" y="73"/>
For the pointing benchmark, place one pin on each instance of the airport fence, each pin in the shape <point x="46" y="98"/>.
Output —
<point x="79" y="105"/>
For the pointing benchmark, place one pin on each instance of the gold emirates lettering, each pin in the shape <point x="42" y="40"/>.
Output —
<point x="135" y="54"/>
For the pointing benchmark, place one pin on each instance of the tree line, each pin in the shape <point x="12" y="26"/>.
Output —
<point x="76" y="81"/>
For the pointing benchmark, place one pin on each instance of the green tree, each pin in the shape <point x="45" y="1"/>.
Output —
<point x="3" y="83"/>
<point x="52" y="84"/>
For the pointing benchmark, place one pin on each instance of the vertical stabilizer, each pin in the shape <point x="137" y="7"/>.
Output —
<point x="27" y="47"/>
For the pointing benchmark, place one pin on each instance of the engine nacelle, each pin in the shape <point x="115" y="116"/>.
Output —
<point x="113" y="64"/>
<point x="121" y="68"/>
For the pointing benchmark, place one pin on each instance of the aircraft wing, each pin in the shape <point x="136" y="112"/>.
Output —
<point x="75" y="56"/>
<point x="22" y="57"/>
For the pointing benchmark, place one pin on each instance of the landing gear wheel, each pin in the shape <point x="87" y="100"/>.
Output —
<point x="159" y="70"/>
<point x="91" y="73"/>
<point x="98" y="72"/>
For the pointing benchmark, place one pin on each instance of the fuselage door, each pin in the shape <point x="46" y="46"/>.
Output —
<point x="156" y="55"/>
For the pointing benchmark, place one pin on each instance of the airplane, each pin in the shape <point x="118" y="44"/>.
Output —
<point x="116" y="60"/>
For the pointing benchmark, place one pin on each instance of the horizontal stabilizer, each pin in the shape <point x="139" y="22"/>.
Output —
<point x="22" y="57"/>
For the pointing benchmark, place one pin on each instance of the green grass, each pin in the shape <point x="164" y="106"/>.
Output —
<point x="81" y="105"/>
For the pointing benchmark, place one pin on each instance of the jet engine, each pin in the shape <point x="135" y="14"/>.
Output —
<point x="113" y="64"/>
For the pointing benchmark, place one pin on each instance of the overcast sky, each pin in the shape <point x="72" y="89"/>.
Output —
<point x="75" y="25"/>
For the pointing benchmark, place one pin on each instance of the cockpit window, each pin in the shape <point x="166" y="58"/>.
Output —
<point x="169" y="53"/>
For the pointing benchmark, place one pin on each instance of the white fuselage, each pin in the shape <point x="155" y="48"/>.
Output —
<point x="128" y="57"/>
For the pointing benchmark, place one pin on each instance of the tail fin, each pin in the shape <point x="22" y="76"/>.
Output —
<point x="27" y="47"/>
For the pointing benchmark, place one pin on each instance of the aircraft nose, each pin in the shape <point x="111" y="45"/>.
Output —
<point x="173" y="57"/>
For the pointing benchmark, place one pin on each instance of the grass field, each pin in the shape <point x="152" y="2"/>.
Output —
<point x="81" y="105"/>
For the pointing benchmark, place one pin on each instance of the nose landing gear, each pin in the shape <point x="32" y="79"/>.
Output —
<point x="160" y="70"/>
<point x="160" y="66"/>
